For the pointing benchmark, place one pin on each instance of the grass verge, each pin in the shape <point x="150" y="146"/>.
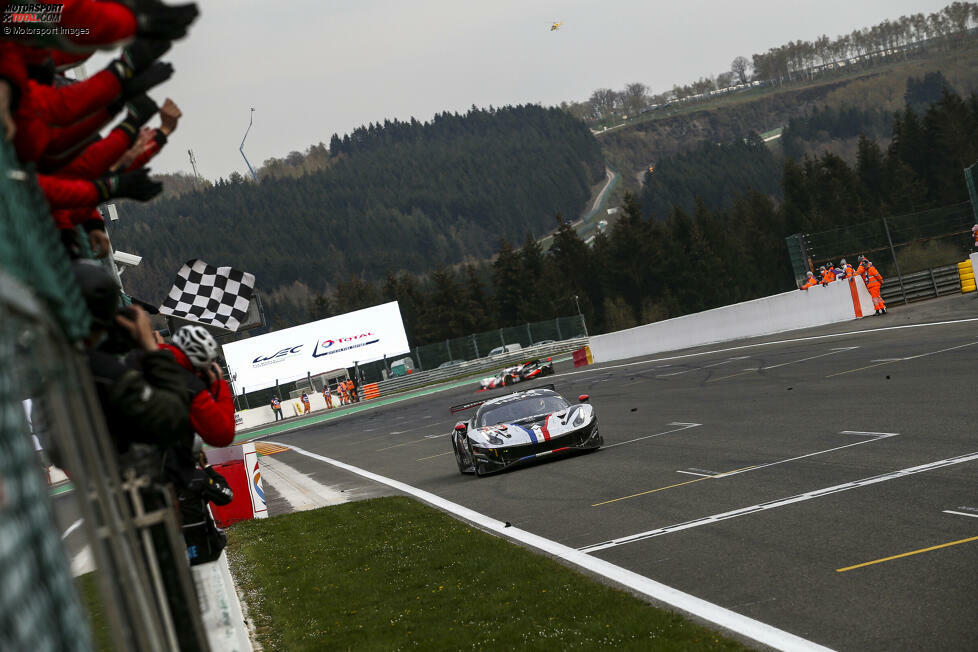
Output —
<point x="92" y="604"/>
<point x="392" y="573"/>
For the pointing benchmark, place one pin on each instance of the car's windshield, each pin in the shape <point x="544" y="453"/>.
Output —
<point x="516" y="410"/>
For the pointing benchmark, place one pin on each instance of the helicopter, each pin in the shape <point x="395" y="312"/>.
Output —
<point x="556" y="25"/>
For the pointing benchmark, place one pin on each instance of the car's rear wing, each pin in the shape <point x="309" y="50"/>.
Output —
<point x="465" y="406"/>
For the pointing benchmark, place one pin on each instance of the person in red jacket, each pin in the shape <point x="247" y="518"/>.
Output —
<point x="211" y="403"/>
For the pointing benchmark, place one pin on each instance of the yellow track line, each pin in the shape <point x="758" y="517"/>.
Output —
<point x="906" y="554"/>
<point x="672" y="486"/>
<point x="843" y="373"/>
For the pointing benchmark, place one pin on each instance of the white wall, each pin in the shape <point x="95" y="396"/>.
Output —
<point x="817" y="306"/>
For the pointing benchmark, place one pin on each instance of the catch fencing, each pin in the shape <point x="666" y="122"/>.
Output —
<point x="898" y="245"/>
<point x="928" y="284"/>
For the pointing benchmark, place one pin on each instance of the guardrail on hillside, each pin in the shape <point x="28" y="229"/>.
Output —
<point x="927" y="284"/>
<point x="477" y="368"/>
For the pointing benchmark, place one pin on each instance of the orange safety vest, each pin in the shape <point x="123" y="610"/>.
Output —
<point x="828" y="277"/>
<point x="849" y="271"/>
<point x="872" y="277"/>
<point x="810" y="283"/>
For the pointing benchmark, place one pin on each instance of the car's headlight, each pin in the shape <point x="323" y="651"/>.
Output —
<point x="579" y="419"/>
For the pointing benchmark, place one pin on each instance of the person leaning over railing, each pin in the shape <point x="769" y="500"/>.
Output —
<point x="143" y="404"/>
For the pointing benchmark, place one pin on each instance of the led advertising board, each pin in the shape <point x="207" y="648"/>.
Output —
<point x="335" y="343"/>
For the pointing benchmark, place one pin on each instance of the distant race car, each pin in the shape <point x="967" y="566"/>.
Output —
<point x="522" y="427"/>
<point x="519" y="373"/>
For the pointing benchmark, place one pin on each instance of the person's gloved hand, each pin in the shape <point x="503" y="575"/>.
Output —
<point x="156" y="74"/>
<point x="157" y="20"/>
<point x="137" y="57"/>
<point x="140" y="109"/>
<point x="133" y="185"/>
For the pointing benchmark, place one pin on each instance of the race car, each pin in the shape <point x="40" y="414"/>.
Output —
<point x="522" y="427"/>
<point x="519" y="373"/>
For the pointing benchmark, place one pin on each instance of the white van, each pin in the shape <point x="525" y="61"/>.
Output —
<point x="509" y="348"/>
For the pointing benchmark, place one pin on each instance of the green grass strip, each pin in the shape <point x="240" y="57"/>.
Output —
<point x="392" y="573"/>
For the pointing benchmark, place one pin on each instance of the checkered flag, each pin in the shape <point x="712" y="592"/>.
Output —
<point x="216" y="296"/>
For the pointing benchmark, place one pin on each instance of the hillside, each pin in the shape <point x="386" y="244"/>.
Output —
<point x="879" y="89"/>
<point x="398" y="196"/>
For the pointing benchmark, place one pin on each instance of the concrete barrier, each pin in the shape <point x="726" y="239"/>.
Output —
<point x="836" y="302"/>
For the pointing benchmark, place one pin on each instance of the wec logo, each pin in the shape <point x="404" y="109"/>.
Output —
<point x="261" y="360"/>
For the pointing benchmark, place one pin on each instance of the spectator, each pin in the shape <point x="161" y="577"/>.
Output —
<point x="277" y="408"/>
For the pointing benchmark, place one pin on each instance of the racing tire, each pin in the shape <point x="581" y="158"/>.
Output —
<point x="458" y="458"/>
<point x="508" y="380"/>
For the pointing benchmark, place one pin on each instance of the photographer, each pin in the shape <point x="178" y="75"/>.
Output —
<point x="197" y="484"/>
<point x="211" y="402"/>
<point x="147" y="403"/>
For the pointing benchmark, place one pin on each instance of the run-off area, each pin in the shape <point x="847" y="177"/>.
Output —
<point x="824" y="485"/>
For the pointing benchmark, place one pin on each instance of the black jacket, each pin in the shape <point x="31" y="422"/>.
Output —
<point x="147" y="404"/>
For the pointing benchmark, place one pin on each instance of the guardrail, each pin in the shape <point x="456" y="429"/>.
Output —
<point x="477" y="368"/>
<point x="928" y="284"/>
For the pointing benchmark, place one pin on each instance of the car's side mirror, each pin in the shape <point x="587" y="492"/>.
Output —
<point x="583" y="398"/>
<point x="460" y="427"/>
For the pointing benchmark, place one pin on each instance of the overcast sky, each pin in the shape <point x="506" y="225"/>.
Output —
<point x="312" y="68"/>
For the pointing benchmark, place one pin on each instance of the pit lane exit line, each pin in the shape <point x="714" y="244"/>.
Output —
<point x="756" y="467"/>
<point x="713" y="613"/>
<point x="762" y="507"/>
<point x="685" y="426"/>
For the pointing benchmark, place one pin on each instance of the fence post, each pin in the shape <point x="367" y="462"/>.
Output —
<point x="244" y="396"/>
<point x="449" y="349"/>
<point x="502" y="342"/>
<point x="933" y="280"/>
<point x="417" y="351"/>
<point x="475" y="345"/>
<point x="895" y="262"/>
<point x="309" y="380"/>
<point x="529" y="334"/>
<point x="560" y="336"/>
<point x="278" y="392"/>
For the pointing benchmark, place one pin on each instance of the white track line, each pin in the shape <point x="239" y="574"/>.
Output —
<point x="762" y="507"/>
<point x="702" y="475"/>
<point x="951" y="511"/>
<point x="685" y="426"/>
<point x="713" y="613"/>
<point x="751" y="469"/>
<point x="71" y="528"/>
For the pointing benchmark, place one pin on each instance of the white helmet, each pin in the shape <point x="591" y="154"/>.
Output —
<point x="198" y="345"/>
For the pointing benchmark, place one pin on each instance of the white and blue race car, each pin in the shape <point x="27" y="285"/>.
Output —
<point x="522" y="427"/>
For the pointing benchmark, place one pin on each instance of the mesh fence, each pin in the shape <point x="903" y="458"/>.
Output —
<point x="39" y="609"/>
<point x="921" y="240"/>
<point x="479" y="345"/>
<point x="30" y="248"/>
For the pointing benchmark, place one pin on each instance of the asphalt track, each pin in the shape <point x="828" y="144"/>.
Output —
<point x="752" y="474"/>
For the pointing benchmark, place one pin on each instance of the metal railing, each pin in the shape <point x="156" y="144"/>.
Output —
<point x="477" y="368"/>
<point x="927" y="284"/>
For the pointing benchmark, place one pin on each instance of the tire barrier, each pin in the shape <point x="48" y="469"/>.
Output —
<point x="370" y="391"/>
<point x="966" y="274"/>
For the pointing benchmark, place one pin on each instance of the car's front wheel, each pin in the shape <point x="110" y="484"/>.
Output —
<point x="463" y="468"/>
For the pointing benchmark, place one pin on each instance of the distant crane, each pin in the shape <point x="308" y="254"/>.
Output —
<point x="193" y="164"/>
<point x="251" y="119"/>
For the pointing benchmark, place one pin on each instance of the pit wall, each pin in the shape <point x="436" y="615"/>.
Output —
<point x="261" y="415"/>
<point x="821" y="305"/>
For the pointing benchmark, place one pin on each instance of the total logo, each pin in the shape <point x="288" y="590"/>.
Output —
<point x="329" y="346"/>
<point x="278" y="356"/>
